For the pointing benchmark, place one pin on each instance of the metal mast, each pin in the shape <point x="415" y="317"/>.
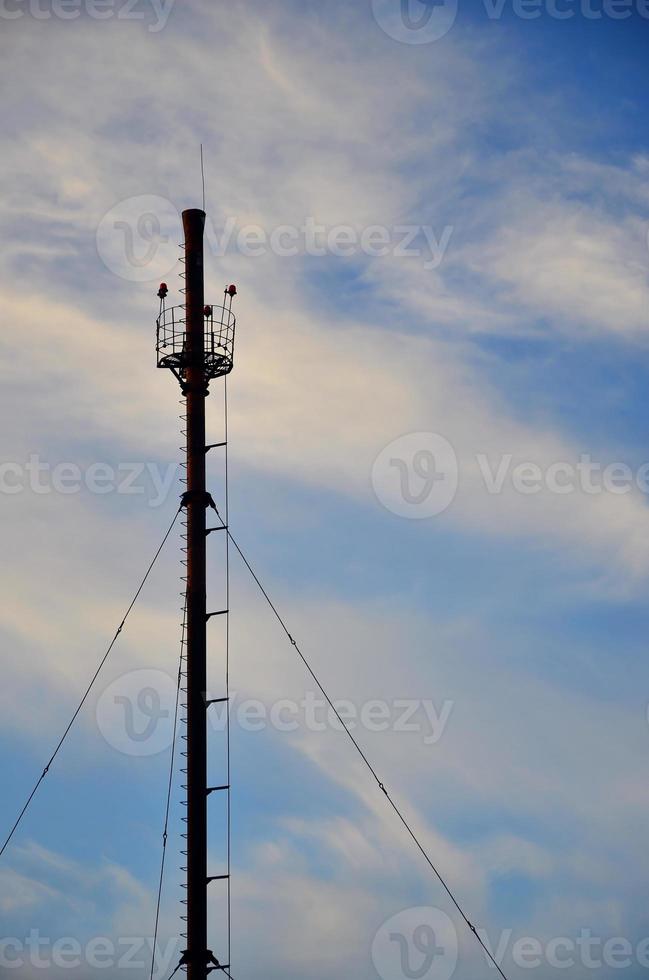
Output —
<point x="196" y="342"/>
<point x="195" y="389"/>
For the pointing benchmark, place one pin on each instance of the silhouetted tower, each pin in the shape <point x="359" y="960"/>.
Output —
<point x="196" y="343"/>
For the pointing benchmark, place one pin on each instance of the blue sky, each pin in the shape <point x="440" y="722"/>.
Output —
<point x="518" y="147"/>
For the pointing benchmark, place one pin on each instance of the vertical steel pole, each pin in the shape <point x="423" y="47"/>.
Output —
<point x="196" y="391"/>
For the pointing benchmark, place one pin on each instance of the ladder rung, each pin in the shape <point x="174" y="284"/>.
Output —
<point x="219" y="612"/>
<point x="217" y="789"/>
<point x="217" y="878"/>
<point x="209" y="530"/>
<point x="215" y="445"/>
<point x="216" y="701"/>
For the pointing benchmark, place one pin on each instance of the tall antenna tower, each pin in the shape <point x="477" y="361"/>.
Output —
<point x="196" y="342"/>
